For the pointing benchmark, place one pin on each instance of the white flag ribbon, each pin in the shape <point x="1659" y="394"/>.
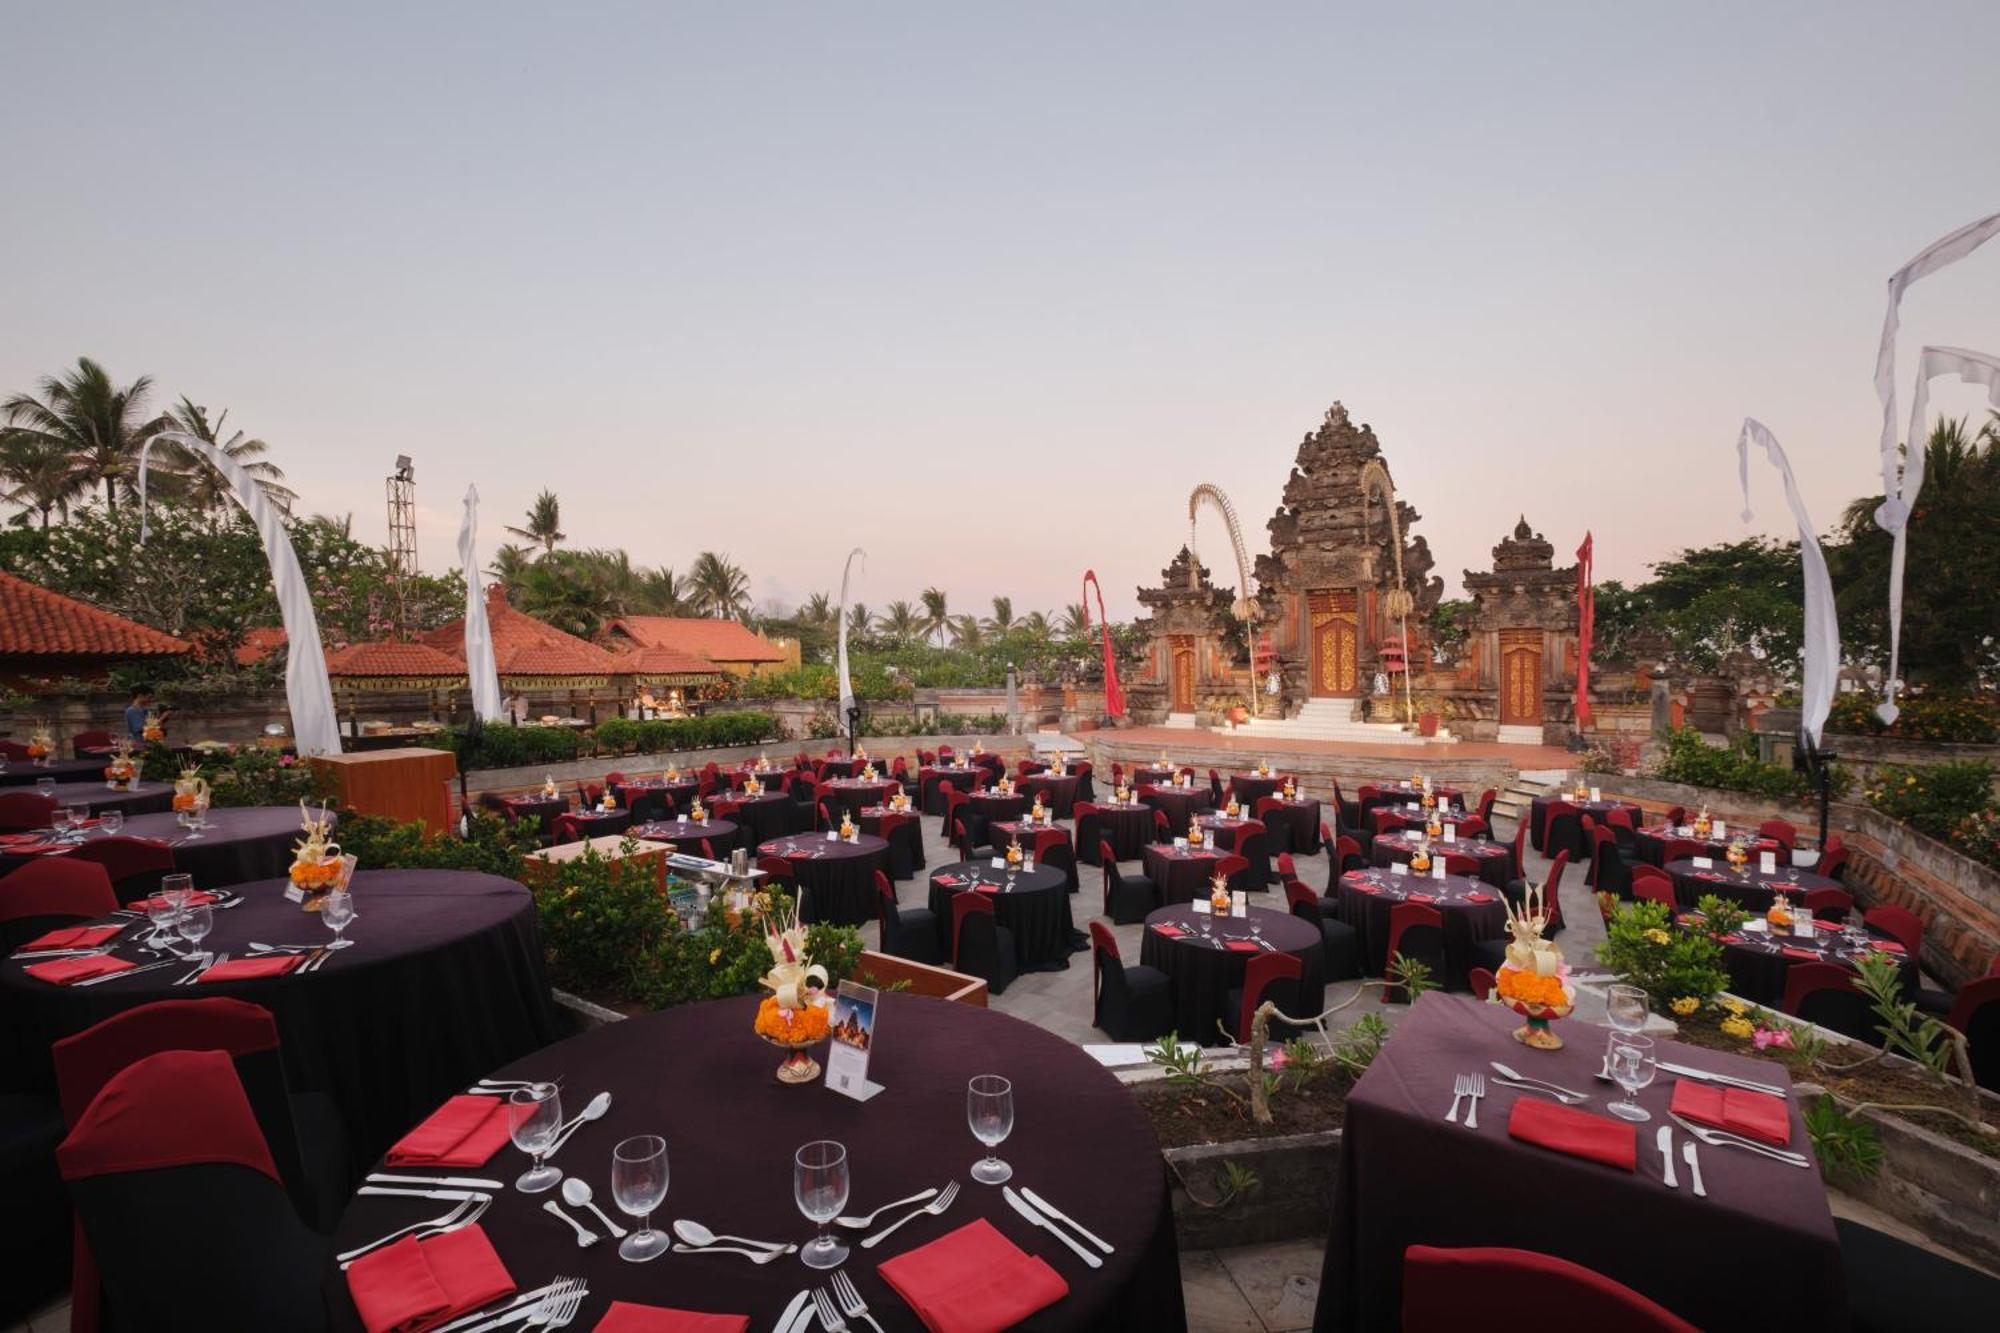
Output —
<point x="315" y="726"/>
<point x="1822" y="634"/>
<point x="478" y="636"/>
<point x="846" y="685"/>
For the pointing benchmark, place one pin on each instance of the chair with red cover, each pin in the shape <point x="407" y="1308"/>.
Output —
<point x="1117" y="774"/>
<point x="1127" y="898"/>
<point x="1252" y="843"/>
<point x="84" y="742"/>
<point x="134" y="864"/>
<point x="1610" y="872"/>
<point x="1551" y="812"/>
<point x="1520" y="866"/>
<point x="49" y="892"/>
<point x="1681" y="849"/>
<point x="1484" y="810"/>
<point x="1829" y="902"/>
<point x="1287" y="868"/>
<point x="777" y="867"/>
<point x="168" y="1142"/>
<point x="1899" y="923"/>
<point x="1215" y="787"/>
<point x="1472" y="826"/>
<point x="14" y="752"/>
<point x="565" y="829"/>
<point x="1278" y="834"/>
<point x="905" y="837"/>
<point x="1416" y="931"/>
<point x="1657" y="887"/>
<point x="1976" y="1014"/>
<point x="899" y="769"/>
<point x="1825" y="994"/>
<point x="1833" y="864"/>
<point x="1784" y="833"/>
<point x="1236" y="870"/>
<point x="1340" y="944"/>
<point x="945" y="753"/>
<point x="1461" y="863"/>
<point x="1450" y="1290"/>
<point x="1480" y="981"/>
<point x="954" y="802"/>
<point x="1267" y="976"/>
<point x="911" y="934"/>
<point x="1052" y="848"/>
<point x="1088" y="834"/>
<point x="825" y="820"/>
<point x="980" y="945"/>
<point x="1347" y="855"/>
<point x="22" y="811"/>
<point x="614" y="778"/>
<point x="1163" y="829"/>
<point x="1388" y="820"/>
<point x="1127" y="1003"/>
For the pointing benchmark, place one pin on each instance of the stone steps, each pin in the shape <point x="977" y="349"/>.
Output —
<point x="1331" y="720"/>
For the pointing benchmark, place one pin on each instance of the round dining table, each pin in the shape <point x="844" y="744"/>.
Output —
<point x="851" y="794"/>
<point x="1653" y="842"/>
<point x="542" y="809"/>
<point x="1057" y="790"/>
<point x="647" y="798"/>
<point x="1759" y="961"/>
<point x="1749" y="887"/>
<point x="1128" y="827"/>
<point x="1034" y="904"/>
<point x="1496" y="859"/>
<point x="1471" y="909"/>
<point x="1294" y="824"/>
<point x="905" y="837"/>
<point x="26" y="772"/>
<point x="1222" y="831"/>
<point x="1204" y="957"/>
<point x="1023" y="832"/>
<point x="687" y="835"/>
<point x="990" y="807"/>
<point x="445" y="978"/>
<point x="1180" y="873"/>
<point x="769" y="814"/>
<point x="1179" y="804"/>
<point x="696" y="1076"/>
<point x="141" y="798"/>
<point x="930" y="778"/>
<point x="599" y="823"/>
<point x="1401" y="794"/>
<point x="1155" y="775"/>
<point x="240" y="844"/>
<point x="836" y="877"/>
<point x="1252" y="787"/>
<point x="1562" y="830"/>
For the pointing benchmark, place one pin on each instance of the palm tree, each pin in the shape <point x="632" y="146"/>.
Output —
<point x="510" y="563"/>
<point x="1002" y="619"/>
<point x="859" y="622"/>
<point x="1037" y="627"/>
<point x="937" y="617"/>
<point x="570" y="590"/>
<point x="544" y="522"/>
<point x="818" y="609"/>
<point x="100" y="426"/>
<point x="721" y="588"/>
<point x="901" y="623"/>
<point x="1075" y="621"/>
<point x="39" y="475"/>
<point x="206" y="486"/>
<point x="664" y="592"/>
<point x="967" y="632"/>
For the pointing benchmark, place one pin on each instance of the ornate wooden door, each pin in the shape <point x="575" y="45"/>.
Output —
<point x="1520" y="677"/>
<point x="1181" y="648"/>
<point x="1336" y="643"/>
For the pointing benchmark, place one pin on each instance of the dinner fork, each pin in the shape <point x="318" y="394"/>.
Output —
<point x="559" y="1304"/>
<point x="466" y="1210"/>
<point x="1476" y="1090"/>
<point x="1461" y="1084"/>
<point x="829" y="1317"/>
<point x="935" y="1206"/>
<point x="851" y="1303"/>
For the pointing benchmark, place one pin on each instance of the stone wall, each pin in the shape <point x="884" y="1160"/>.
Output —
<point x="1863" y="755"/>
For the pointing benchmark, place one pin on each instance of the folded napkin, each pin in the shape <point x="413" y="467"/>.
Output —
<point x="1754" y="1115"/>
<point x="1363" y="886"/>
<point x="1578" y="1133"/>
<point x="71" y="937"/>
<point x="1887" y="946"/>
<point x="1242" y="946"/>
<point x="1793" y="951"/>
<point x="983" y="887"/>
<point x="949" y="881"/>
<point x="250" y="969"/>
<point x="1709" y="874"/>
<point x="1421" y="897"/>
<point x="1170" y="931"/>
<point x="465" y="1131"/>
<point x="625" y="1317"/>
<point x="973" y="1280"/>
<point x="63" y="971"/>
<point x="419" y="1284"/>
<point x="1479" y="897"/>
<point x="194" y="900"/>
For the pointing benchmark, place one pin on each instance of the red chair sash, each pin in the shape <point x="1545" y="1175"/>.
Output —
<point x="57" y="887"/>
<point x="87" y="1060"/>
<point x="176" y="1108"/>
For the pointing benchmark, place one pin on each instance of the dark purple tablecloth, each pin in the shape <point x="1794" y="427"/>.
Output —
<point x="1294" y="826"/>
<point x="769" y="815"/>
<point x="1128" y="828"/>
<point x="1749" y="886"/>
<point x="240" y="845"/>
<point x="143" y="798"/>
<point x="25" y="772"/>
<point x="647" y="798"/>
<point x="1651" y="844"/>
<point x="1060" y="794"/>
<point x="1759" y="962"/>
<point x="1201" y="968"/>
<point x="445" y="980"/>
<point x="1180" y="875"/>
<point x="696" y="1075"/>
<point x="602" y="823"/>
<point x="1181" y="804"/>
<point x="928" y="779"/>
<point x="1400" y="794"/>
<point x="851" y="794"/>
<point x="1408" y="1178"/>
<point x="1564" y="831"/>
<point x="1253" y="787"/>
<point x="542" y="809"/>
<point x="1013" y="830"/>
<point x="1152" y="775"/>
<point x="1496" y="859"/>
<point x="1222" y="830"/>
<point x="986" y="807"/>
<point x="906" y="847"/>
<point x="1466" y="922"/>
<point x="838" y="877"/>
<point x="1036" y="909"/>
<point x="722" y="835"/>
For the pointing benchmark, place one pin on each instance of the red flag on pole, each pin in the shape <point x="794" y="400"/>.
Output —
<point x="1114" y="698"/>
<point x="1586" y="624"/>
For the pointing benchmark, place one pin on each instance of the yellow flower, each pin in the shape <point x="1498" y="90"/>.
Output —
<point x="1740" y="1028"/>
<point x="714" y="954"/>
<point x="1658" y="936"/>
<point x="1686" y="1005"/>
<point x="1909" y="782"/>
<point x="1734" y="1006"/>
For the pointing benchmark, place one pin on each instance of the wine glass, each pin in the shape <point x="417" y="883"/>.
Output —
<point x="989" y="1110"/>
<point x="639" y="1184"/>
<point x="200" y="820"/>
<point x="335" y="911"/>
<point x="112" y="822"/>
<point x="177" y="888"/>
<point x="1631" y="1059"/>
<point x="162" y="911"/>
<point x="534" y="1114"/>
<point x="819" y="1186"/>
<point x="46" y="787"/>
<point x="79" y="817"/>
<point x="1257" y="927"/>
<point x="59" y="821"/>
<point x="195" y="923"/>
<point x="1626" y="1007"/>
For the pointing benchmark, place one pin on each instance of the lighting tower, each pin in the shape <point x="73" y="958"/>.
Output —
<point x="402" y="489"/>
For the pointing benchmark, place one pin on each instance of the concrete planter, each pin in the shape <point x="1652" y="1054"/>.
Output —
<point x="1293" y="1200"/>
<point x="1942" y="1188"/>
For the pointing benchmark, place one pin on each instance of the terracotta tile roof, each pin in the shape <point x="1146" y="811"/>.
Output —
<point x="717" y="640"/>
<point x="35" y="622"/>
<point x="387" y="658"/>
<point x="663" y="661"/>
<point x="259" y="643"/>
<point x="525" y="646"/>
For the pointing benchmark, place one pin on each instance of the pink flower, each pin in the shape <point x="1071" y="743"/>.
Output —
<point x="1277" y="1060"/>
<point x="287" y="760"/>
<point x="1773" y="1037"/>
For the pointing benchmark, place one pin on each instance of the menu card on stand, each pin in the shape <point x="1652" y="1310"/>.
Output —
<point x="854" y="1009"/>
<point x="1767" y="863"/>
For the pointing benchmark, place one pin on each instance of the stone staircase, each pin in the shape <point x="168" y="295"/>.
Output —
<point x="1520" y="736"/>
<point x="1513" y="803"/>
<point x="1331" y="720"/>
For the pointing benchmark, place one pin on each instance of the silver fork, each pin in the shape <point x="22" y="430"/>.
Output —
<point x="541" y="1314"/>
<point x="1477" y="1090"/>
<point x="560" y="1313"/>
<point x="204" y="961"/>
<point x="935" y="1206"/>
<point x="829" y="1317"/>
<point x="851" y="1303"/>
<point x="1460" y="1086"/>
<point x="466" y="1210"/>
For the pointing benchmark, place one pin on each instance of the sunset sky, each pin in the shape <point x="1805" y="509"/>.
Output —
<point x="988" y="289"/>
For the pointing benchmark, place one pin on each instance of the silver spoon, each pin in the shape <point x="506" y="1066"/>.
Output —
<point x="694" y="1233"/>
<point x="576" y="1193"/>
<point x="594" y="1111"/>
<point x="754" y="1256"/>
<point x="868" y="1219"/>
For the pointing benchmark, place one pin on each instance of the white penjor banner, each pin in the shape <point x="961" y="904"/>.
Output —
<point x="1822" y="632"/>
<point x="479" y="666"/>
<point x="846" y="685"/>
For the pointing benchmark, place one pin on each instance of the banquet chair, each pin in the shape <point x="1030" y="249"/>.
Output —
<point x="168" y="1141"/>
<point x="1340" y="945"/>
<point x="1449" y="1290"/>
<point x="954" y="801"/>
<point x="1480" y="982"/>
<point x="49" y="892"/>
<point x="1622" y="828"/>
<point x="1484" y="810"/>
<point x="81" y="744"/>
<point x="134" y="864"/>
<point x="1681" y="849"/>
<point x="899" y="768"/>
<point x="1825" y="994"/>
<point x="565" y="828"/>
<point x="906" y="850"/>
<point x="1127" y="1003"/>
<point x="912" y="934"/>
<point x="614" y="778"/>
<point x="1052" y="848"/>
<point x="1940" y="1002"/>
<point x="1347" y="856"/>
<point x="725" y="807"/>
<point x="1829" y="902"/>
<point x="1346" y="813"/>
<point x="1163" y="828"/>
<point x="1267" y="976"/>
<point x="1215" y="788"/>
<point x="1236" y="870"/>
<point x="968" y="850"/>
<point x="1287" y="868"/>
<point x="1087" y="831"/>
<point x="1610" y="871"/>
<point x="1117" y="773"/>
<point x="980" y="945"/>
<point x="1520" y="866"/>
<point x="1900" y="923"/>
<point x="1460" y="863"/>
<point x="945" y="752"/>
<point x="1517" y="892"/>
<point x="1278" y="833"/>
<point x="1387" y="820"/>
<point x="1976" y="1014"/>
<point x="1127" y="898"/>
<point x="1657" y="887"/>
<point x="35" y="1226"/>
<point x="779" y="869"/>
<point x="1896" y="1287"/>
<point x="1252" y="842"/>
<point x="23" y="811"/>
<point x="826" y="820"/>
<point x="589" y="793"/>
<point x="1472" y="826"/>
<point x="14" y="752"/>
<point x="1554" y="810"/>
<point x="1833" y="864"/>
<point x="1416" y="931"/>
<point x="1783" y="832"/>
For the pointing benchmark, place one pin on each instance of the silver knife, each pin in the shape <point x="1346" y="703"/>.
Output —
<point x="1014" y="1202"/>
<point x="1061" y="1216"/>
<point x="425" y="1194"/>
<point x="1727" y="1080"/>
<point x="789" y="1320"/>
<point x="1665" y="1140"/>
<point x="445" y="1182"/>
<point x="1694" y="1168"/>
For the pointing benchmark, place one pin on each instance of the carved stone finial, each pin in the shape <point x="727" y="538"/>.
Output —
<point x="1522" y="531"/>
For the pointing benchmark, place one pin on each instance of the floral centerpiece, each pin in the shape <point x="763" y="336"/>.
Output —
<point x="1737" y="854"/>
<point x="697" y="811"/>
<point x="317" y="864"/>
<point x="1420" y="856"/>
<point x="1234" y="808"/>
<point x="1779" y="915"/>
<point x="190" y="792"/>
<point x="861" y="753"/>
<point x="1263" y="768"/>
<point x="848" y="833"/>
<point x="123" y="770"/>
<point x="1014" y="853"/>
<point x="1534" y="981"/>
<point x="671" y="775"/>
<point x="42" y="746"/>
<point x="868" y="772"/>
<point x="752" y="787"/>
<point x="1703" y="825"/>
<point x="1122" y="794"/>
<point x="1291" y="790"/>
<point x="151" y="729"/>
<point x="1218" y="895"/>
<point x="1433" y="823"/>
<point x="1038" y="813"/>
<point x="793" y="1017"/>
<point x="1005" y="786"/>
<point x="1194" y="835"/>
<point x="550" y="792"/>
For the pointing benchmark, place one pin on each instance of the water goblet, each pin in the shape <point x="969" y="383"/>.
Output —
<point x="177" y="888"/>
<point x="46" y="786"/>
<point x="79" y="817"/>
<point x="194" y="923"/>
<point x="200" y="820"/>
<point x="162" y="912"/>
<point x="639" y="1184"/>
<point x="59" y="823"/>
<point x="1626" y="1008"/>
<point x="534" y="1114"/>
<point x="1632" y="1068"/>
<point x="989" y="1110"/>
<point x="112" y="823"/>
<point x="819" y="1187"/>
<point x="336" y="910"/>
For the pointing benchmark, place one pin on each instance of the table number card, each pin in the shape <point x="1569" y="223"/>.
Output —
<point x="1767" y="863"/>
<point x="854" y="1010"/>
<point x="1239" y="903"/>
<point x="1451" y="833"/>
<point x="1200" y="907"/>
<point x="1399" y="868"/>
<point x="1704" y="863"/>
<point x="1721" y="830"/>
<point x="1180" y="844"/>
<point x="999" y="863"/>
<point x="1437" y="868"/>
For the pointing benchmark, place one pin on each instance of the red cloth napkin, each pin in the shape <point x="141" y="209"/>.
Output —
<point x="973" y="1280"/>
<point x="465" y="1131"/>
<point x="418" y="1284"/>
<point x="625" y="1317"/>
<point x="984" y="887"/>
<point x="1171" y="932"/>
<point x="1754" y="1115"/>
<point x="194" y="900"/>
<point x="62" y="971"/>
<point x="1578" y="1133"/>
<point x="1361" y="885"/>
<point x="249" y="969"/>
<point x="71" y="937"/>
<point x="1422" y="897"/>
<point x="1242" y="946"/>
<point x="949" y="881"/>
<point x="1887" y="946"/>
<point x="1479" y="897"/>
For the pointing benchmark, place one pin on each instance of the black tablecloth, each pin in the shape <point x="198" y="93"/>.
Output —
<point x="602" y="823"/>
<point x="1222" y="832"/>
<point x="1036" y="909"/>
<point x="1294" y="826"/>
<point x="1749" y="886"/>
<point x="647" y="798"/>
<point x="1408" y="1178"/>
<point x="1201" y="970"/>
<point x="851" y="794"/>
<point x="1152" y="775"/>
<point x="1128" y="828"/>
<point x="770" y="815"/>
<point x="1400" y="794"/>
<point x="445" y="980"/>
<point x="983" y="808"/>
<point x="1016" y="830"/>
<point x="906" y="846"/>
<point x="1496" y="859"/>
<point x="26" y="773"/>
<point x="1466" y="921"/>
<point x="1060" y="794"/>
<point x="1181" y="874"/>
<point x="838" y="877"/>
<point x="1564" y="832"/>
<point x="143" y="798"/>
<point x="1758" y="961"/>
<point x="240" y="845"/>
<point x="928" y="779"/>
<point x="721" y="835"/>
<point x="697" y="1076"/>
<point x="1252" y="787"/>
<point x="1181" y="804"/>
<point x="1651" y="844"/>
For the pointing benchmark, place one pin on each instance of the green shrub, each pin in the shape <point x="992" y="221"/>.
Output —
<point x="251" y="776"/>
<point x="1978" y="836"/>
<point x="1940" y="715"/>
<point x="1643" y="948"/>
<point x="716" y="731"/>
<point x="503" y="745"/>
<point x="494" y="846"/>
<point x="1735" y="767"/>
<point x="1934" y="799"/>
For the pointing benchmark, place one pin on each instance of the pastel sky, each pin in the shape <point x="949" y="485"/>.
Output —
<point x="989" y="288"/>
